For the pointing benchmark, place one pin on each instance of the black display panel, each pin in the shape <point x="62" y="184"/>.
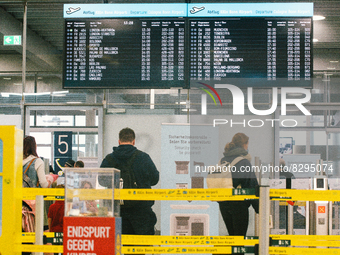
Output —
<point x="183" y="52"/>
<point x="251" y="52"/>
<point x="124" y="53"/>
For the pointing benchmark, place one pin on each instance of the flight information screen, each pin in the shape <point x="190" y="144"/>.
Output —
<point x="251" y="52"/>
<point x="180" y="45"/>
<point x="125" y="53"/>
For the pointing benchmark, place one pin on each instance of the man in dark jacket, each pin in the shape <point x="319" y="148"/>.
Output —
<point x="138" y="219"/>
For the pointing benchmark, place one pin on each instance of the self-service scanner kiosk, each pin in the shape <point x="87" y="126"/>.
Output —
<point x="321" y="209"/>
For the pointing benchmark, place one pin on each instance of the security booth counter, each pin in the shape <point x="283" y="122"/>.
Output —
<point x="91" y="220"/>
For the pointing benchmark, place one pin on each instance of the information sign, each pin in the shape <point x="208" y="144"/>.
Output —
<point x="62" y="149"/>
<point x="92" y="235"/>
<point x="12" y="39"/>
<point x="181" y="45"/>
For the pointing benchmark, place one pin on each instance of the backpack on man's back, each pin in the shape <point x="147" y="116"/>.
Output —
<point x="127" y="176"/>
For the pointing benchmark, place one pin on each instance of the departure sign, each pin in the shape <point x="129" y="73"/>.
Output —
<point x="251" y="52"/>
<point x="127" y="53"/>
<point x="180" y="45"/>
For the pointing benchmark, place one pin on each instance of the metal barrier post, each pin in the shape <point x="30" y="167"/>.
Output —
<point x="290" y="219"/>
<point x="264" y="211"/>
<point x="39" y="221"/>
<point x="330" y="218"/>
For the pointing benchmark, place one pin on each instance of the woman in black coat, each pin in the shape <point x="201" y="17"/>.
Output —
<point x="235" y="213"/>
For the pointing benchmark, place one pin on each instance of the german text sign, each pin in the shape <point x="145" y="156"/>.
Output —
<point x="92" y="235"/>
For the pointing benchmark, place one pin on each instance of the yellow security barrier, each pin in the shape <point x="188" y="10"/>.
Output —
<point x="188" y="240"/>
<point x="145" y="194"/>
<point x="307" y="251"/>
<point x="138" y="250"/>
<point x="309" y="240"/>
<point x="209" y="244"/>
<point x="188" y="194"/>
<point x="42" y="248"/>
<point x="185" y="194"/>
<point x="305" y="195"/>
<point x="11" y="140"/>
<point x="170" y="240"/>
<point x="176" y="250"/>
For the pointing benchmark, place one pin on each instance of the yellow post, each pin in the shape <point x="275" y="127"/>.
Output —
<point x="11" y="142"/>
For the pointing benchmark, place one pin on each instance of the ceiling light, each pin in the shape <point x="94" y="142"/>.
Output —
<point x="189" y="110"/>
<point x="37" y="94"/>
<point x="60" y="92"/>
<point x="318" y="17"/>
<point x="334" y="61"/>
<point x="116" y="110"/>
<point x="8" y="94"/>
<point x="315" y="40"/>
<point x="7" y="78"/>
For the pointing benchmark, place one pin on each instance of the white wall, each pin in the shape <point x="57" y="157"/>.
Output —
<point x="146" y="127"/>
<point x="10" y="120"/>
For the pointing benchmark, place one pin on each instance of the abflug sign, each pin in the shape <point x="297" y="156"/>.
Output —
<point x="239" y="105"/>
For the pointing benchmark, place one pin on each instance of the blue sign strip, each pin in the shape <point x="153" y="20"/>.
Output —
<point x="251" y="10"/>
<point x="124" y="10"/>
<point x="188" y="10"/>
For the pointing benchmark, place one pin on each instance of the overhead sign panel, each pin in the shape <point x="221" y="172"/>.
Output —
<point x="124" y="10"/>
<point x="184" y="45"/>
<point x="12" y="39"/>
<point x="188" y="10"/>
<point x="251" y="10"/>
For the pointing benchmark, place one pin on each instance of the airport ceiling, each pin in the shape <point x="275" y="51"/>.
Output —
<point x="45" y="18"/>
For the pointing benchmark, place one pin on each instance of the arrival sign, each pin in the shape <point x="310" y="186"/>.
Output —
<point x="92" y="235"/>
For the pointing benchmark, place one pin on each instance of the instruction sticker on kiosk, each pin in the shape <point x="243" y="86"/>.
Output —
<point x="92" y="235"/>
<point x="321" y="209"/>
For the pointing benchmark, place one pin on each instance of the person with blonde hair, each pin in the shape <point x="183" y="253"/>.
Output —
<point x="235" y="213"/>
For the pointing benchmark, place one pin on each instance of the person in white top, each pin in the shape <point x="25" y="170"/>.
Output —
<point x="30" y="153"/>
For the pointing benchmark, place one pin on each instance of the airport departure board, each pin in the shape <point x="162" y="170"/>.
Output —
<point x="125" y="53"/>
<point x="180" y="45"/>
<point x="251" y="52"/>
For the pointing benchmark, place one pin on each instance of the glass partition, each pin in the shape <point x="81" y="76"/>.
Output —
<point x="90" y="192"/>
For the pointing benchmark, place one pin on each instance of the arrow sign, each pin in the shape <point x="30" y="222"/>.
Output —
<point x="12" y="39"/>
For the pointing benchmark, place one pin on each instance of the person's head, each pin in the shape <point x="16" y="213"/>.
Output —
<point x="86" y="185"/>
<point x="239" y="140"/>
<point x="69" y="163"/>
<point x="30" y="146"/>
<point x="127" y="136"/>
<point x="79" y="163"/>
<point x="60" y="186"/>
